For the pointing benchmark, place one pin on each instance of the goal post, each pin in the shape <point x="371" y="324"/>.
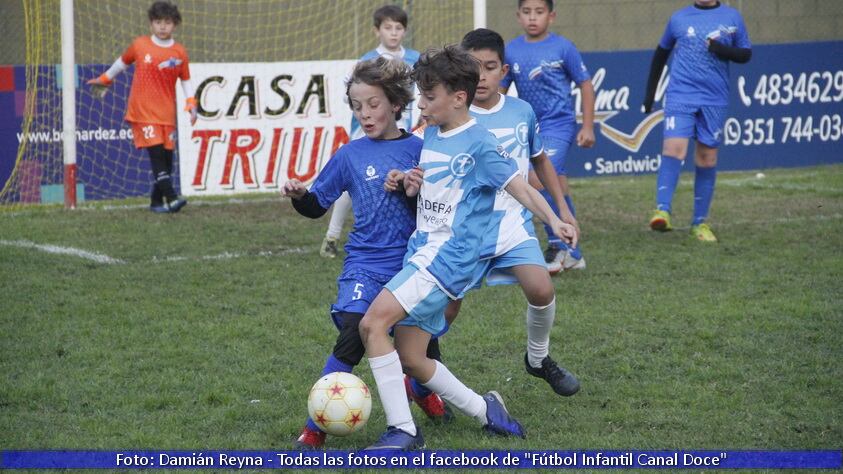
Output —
<point x="69" y="140"/>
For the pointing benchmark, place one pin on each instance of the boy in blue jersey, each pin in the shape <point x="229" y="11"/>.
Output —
<point x="510" y="251"/>
<point x="704" y="38"/>
<point x="390" y="25"/>
<point x="462" y="167"/>
<point x="378" y="91"/>
<point x="543" y="65"/>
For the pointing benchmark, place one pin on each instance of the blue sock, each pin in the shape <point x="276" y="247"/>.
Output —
<point x="666" y="182"/>
<point x="552" y="239"/>
<point x="420" y="390"/>
<point x="575" y="252"/>
<point x="331" y="365"/>
<point x="703" y="193"/>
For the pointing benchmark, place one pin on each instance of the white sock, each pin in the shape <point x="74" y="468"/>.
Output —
<point x="447" y="386"/>
<point x="390" y="380"/>
<point x="342" y="206"/>
<point x="539" y="323"/>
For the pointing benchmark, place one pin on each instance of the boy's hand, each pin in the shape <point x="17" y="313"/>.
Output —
<point x="293" y="189"/>
<point x="567" y="232"/>
<point x="394" y="179"/>
<point x="413" y="181"/>
<point x="192" y="107"/>
<point x="585" y="138"/>
<point x="99" y="86"/>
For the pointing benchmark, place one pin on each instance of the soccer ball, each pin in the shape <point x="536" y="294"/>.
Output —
<point x="339" y="403"/>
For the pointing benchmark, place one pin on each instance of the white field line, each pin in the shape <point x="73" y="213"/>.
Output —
<point x="101" y="258"/>
<point x="122" y="207"/>
<point x="56" y="249"/>
<point x="231" y="255"/>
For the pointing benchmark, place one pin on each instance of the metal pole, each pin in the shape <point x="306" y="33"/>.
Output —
<point x="479" y="14"/>
<point x="68" y="103"/>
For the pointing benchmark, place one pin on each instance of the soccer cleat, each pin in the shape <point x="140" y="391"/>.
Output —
<point x="175" y="206"/>
<point x="553" y="257"/>
<point x="569" y="262"/>
<point x="563" y="382"/>
<point x="159" y="209"/>
<point x="310" y="439"/>
<point x="395" y="438"/>
<point x="660" y="221"/>
<point x="703" y="233"/>
<point x="498" y="419"/>
<point x="329" y="248"/>
<point x="432" y="405"/>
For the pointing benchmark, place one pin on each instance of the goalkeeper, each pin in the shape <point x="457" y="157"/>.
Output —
<point x="159" y="61"/>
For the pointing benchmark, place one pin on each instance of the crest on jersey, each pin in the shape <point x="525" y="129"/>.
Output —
<point x="522" y="133"/>
<point x="170" y="63"/>
<point x="371" y="173"/>
<point x="516" y="68"/>
<point x="147" y="59"/>
<point x="691" y="31"/>
<point x="462" y="164"/>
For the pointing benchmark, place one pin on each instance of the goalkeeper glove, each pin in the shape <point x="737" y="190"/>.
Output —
<point x="190" y="105"/>
<point x="99" y="86"/>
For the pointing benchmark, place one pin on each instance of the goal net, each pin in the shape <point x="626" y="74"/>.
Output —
<point x="213" y="31"/>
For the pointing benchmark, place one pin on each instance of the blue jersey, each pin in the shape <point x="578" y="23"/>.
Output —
<point x="463" y="169"/>
<point x="382" y="221"/>
<point x="410" y="56"/>
<point x="514" y="124"/>
<point x="697" y="76"/>
<point x="543" y="72"/>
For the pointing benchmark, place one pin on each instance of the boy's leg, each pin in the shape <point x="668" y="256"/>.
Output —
<point x="558" y="256"/>
<point x="347" y="353"/>
<point x="384" y="312"/>
<point x="679" y="124"/>
<point x="158" y="156"/>
<point x="341" y="208"/>
<point x="710" y="122"/>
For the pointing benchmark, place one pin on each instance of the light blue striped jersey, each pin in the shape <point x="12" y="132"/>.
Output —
<point x="697" y="76"/>
<point x="514" y="124"/>
<point x="543" y="72"/>
<point x="409" y="56"/>
<point x="463" y="170"/>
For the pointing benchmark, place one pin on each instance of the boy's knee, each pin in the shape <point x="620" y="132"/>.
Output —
<point x="411" y="363"/>
<point x="541" y="296"/>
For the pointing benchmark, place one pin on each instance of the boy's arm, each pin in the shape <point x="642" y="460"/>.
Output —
<point x="585" y="138"/>
<point x="533" y="201"/>
<point x="191" y="105"/>
<point x="304" y="202"/>
<point x="100" y="84"/>
<point x="548" y="178"/>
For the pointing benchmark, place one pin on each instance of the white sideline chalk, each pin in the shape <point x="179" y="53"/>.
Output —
<point x="56" y="249"/>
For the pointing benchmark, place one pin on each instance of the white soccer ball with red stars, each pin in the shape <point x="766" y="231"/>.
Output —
<point x="339" y="403"/>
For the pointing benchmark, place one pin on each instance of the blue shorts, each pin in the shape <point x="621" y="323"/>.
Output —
<point x="705" y="123"/>
<point x="498" y="270"/>
<point x="422" y="299"/>
<point x="356" y="290"/>
<point x="556" y="148"/>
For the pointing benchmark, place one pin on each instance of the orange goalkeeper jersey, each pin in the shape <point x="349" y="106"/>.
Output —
<point x="153" y="96"/>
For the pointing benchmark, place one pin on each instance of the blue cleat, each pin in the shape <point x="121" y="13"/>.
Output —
<point x="498" y="420"/>
<point x="395" y="438"/>
<point x="175" y="206"/>
<point x="159" y="209"/>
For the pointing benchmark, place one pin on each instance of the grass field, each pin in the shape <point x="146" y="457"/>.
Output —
<point x="206" y="329"/>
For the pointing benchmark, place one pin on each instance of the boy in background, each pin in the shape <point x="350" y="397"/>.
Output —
<point x="159" y="62"/>
<point x="704" y="38"/>
<point x="543" y="65"/>
<point x="390" y="26"/>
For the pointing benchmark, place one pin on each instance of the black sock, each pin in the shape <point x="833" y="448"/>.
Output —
<point x="161" y="162"/>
